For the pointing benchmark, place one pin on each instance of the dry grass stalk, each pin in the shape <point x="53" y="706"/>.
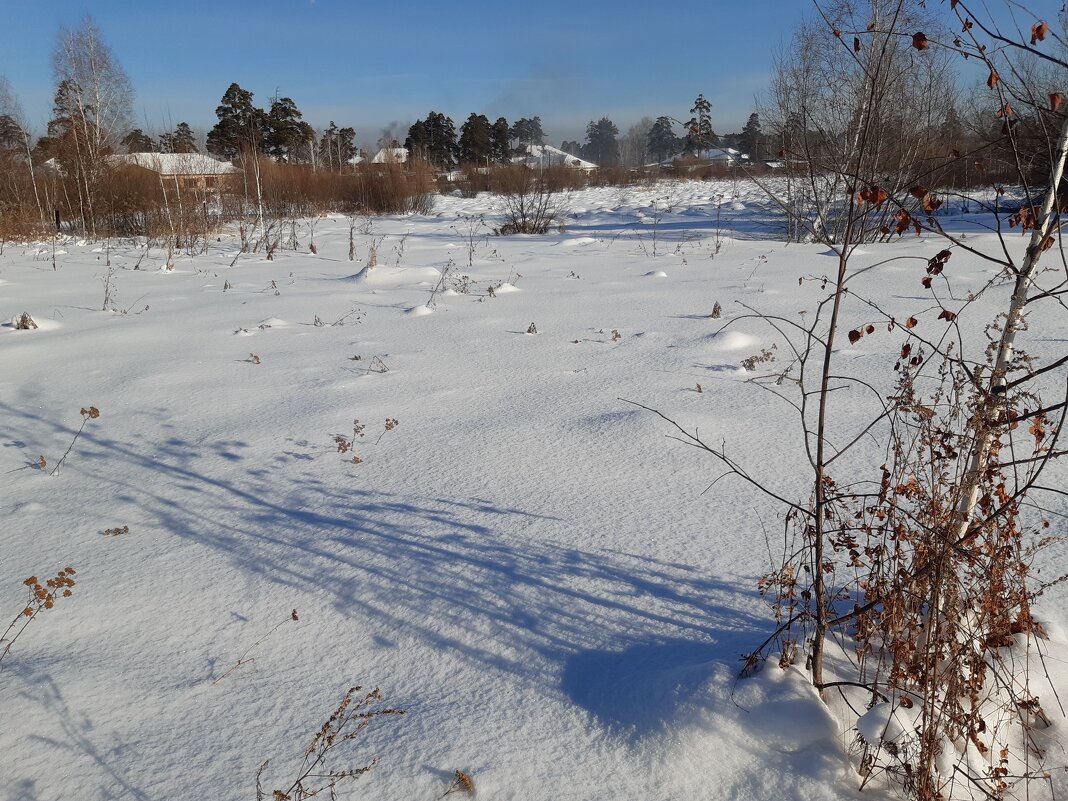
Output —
<point x="40" y="597"/>
<point x="352" y="716"/>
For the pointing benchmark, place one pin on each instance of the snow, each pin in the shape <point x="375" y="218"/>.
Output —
<point x="525" y="563"/>
<point x="542" y="156"/>
<point x="176" y="163"/>
<point x="391" y="155"/>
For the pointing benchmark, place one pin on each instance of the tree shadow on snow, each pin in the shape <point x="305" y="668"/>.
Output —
<point x="496" y="585"/>
<point x="641" y="689"/>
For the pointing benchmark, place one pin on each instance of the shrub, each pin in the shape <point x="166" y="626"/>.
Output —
<point x="530" y="199"/>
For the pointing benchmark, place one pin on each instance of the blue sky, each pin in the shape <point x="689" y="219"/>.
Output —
<point x="371" y="64"/>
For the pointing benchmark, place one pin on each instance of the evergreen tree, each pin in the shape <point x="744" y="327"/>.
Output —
<point x="663" y="143"/>
<point x="733" y="140"/>
<point x="288" y="138"/>
<point x="12" y="137"/>
<point x="70" y="131"/>
<point x="572" y="147"/>
<point x="337" y="147"/>
<point x="602" y="146"/>
<point x="752" y="138"/>
<point x="500" y="149"/>
<point x="241" y="126"/>
<point x="183" y="140"/>
<point x="476" y="140"/>
<point x="700" y="135"/>
<point x="527" y="131"/>
<point x="137" y="141"/>
<point x="433" y="140"/>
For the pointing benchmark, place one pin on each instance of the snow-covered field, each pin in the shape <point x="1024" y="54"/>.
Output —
<point x="525" y="563"/>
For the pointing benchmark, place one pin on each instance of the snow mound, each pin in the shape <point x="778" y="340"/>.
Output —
<point x="733" y="341"/>
<point x="885" y="724"/>
<point x="42" y="325"/>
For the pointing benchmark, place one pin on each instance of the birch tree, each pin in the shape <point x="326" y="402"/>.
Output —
<point x="94" y="98"/>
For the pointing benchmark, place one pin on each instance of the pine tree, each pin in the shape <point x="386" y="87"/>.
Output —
<point x="69" y="132"/>
<point x="288" y="138"/>
<point x="241" y="126"/>
<point x="476" y="140"/>
<point x="337" y="147"/>
<point x="602" y="145"/>
<point x="527" y="132"/>
<point x="500" y="149"/>
<point x="433" y="140"/>
<point x="137" y="141"/>
<point x="662" y="139"/>
<point x="183" y="140"/>
<point x="752" y="137"/>
<point x="700" y="135"/>
<point x="11" y="133"/>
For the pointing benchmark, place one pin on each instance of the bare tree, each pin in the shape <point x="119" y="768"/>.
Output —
<point x="825" y="97"/>
<point x="101" y="95"/>
<point x="921" y="569"/>
<point x="15" y="137"/>
<point x="94" y="98"/>
<point x="634" y="145"/>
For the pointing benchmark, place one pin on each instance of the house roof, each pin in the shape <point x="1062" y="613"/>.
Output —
<point x="549" y="156"/>
<point x="723" y="154"/>
<point x="175" y="163"/>
<point x="391" y="155"/>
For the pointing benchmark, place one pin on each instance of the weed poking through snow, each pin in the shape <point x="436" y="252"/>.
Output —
<point x="87" y="414"/>
<point x="763" y="357"/>
<point x="245" y="659"/>
<point x="40" y="597"/>
<point x="314" y="776"/>
<point x="347" y="444"/>
<point x="24" y="322"/>
<point x="461" y="783"/>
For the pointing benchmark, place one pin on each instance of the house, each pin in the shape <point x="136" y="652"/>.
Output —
<point x="727" y="156"/>
<point x="708" y="157"/>
<point x="187" y="170"/>
<point x="539" y="157"/>
<point x="391" y="155"/>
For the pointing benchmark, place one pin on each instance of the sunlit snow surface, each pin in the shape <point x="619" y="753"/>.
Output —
<point x="526" y="563"/>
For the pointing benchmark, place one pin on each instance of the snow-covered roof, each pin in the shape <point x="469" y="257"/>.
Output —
<point x="175" y="163"/>
<point x="715" y="154"/>
<point x="391" y="155"/>
<point x="721" y="154"/>
<point x="549" y="156"/>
